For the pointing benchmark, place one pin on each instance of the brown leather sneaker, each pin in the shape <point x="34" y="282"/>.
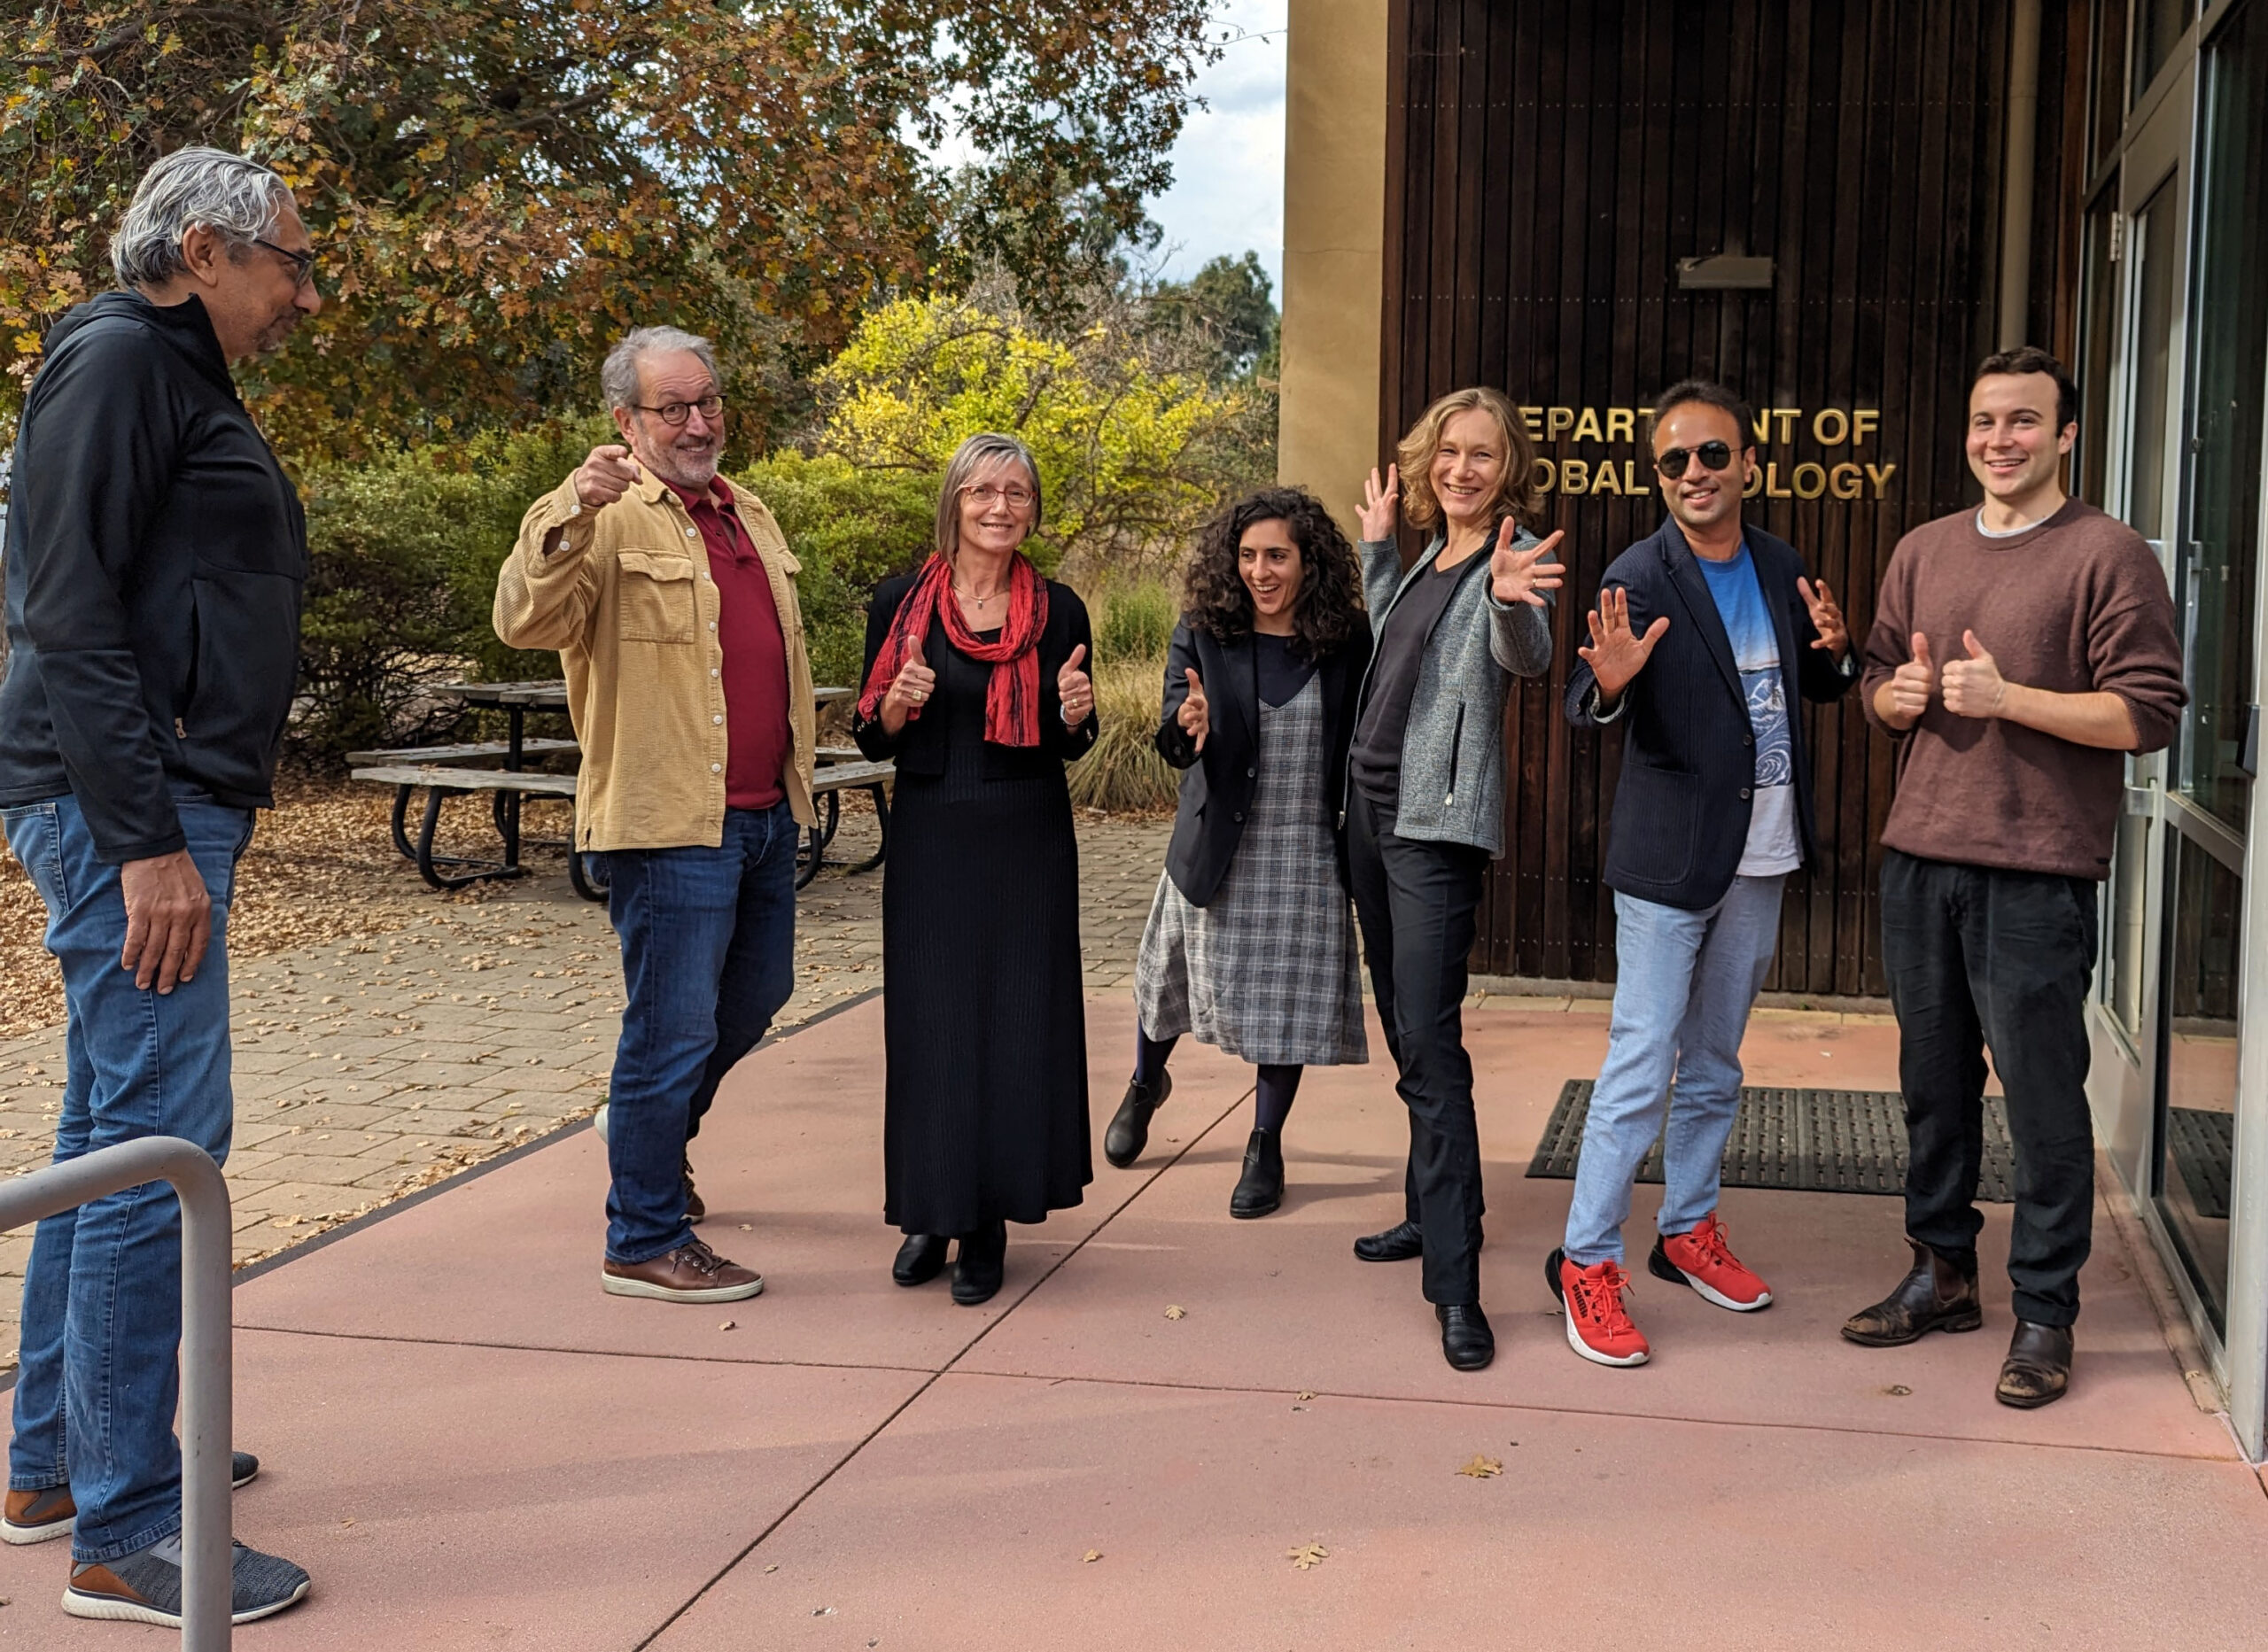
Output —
<point x="691" y="1273"/>
<point x="1937" y="1295"/>
<point x="2038" y="1369"/>
<point x="695" y="1211"/>
<point x="36" y="1515"/>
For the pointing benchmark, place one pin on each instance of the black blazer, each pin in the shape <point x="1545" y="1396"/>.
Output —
<point x="1688" y="755"/>
<point x="1217" y="784"/>
<point x="920" y="747"/>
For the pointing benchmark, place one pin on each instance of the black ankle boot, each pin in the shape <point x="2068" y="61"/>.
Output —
<point x="1129" y="1127"/>
<point x="980" y="1264"/>
<point x="1261" y="1189"/>
<point x="920" y="1260"/>
<point x="1938" y="1294"/>
<point x="1398" y="1243"/>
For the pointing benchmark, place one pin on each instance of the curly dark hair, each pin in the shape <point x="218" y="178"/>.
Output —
<point x="1329" y="601"/>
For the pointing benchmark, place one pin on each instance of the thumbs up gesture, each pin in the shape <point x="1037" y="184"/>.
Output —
<point x="1195" y="715"/>
<point x="1914" y="685"/>
<point x="910" y="689"/>
<point x="1974" y="687"/>
<point x="1076" y="689"/>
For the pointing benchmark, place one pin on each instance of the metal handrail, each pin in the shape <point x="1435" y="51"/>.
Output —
<point x="206" y="1359"/>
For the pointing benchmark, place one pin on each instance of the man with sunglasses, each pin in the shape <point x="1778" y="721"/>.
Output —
<point x="155" y="557"/>
<point x="2020" y="650"/>
<point x="1704" y="637"/>
<point x="671" y="597"/>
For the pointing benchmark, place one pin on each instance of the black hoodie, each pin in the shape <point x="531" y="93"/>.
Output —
<point x="156" y="553"/>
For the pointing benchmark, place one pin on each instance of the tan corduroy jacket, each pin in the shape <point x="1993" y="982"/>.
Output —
<point x="627" y="597"/>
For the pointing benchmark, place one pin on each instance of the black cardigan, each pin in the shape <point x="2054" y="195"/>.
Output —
<point x="920" y="747"/>
<point x="1217" y="785"/>
<point x="1688" y="756"/>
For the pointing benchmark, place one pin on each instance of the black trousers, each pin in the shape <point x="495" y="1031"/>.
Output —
<point x="1981" y="958"/>
<point x="1416" y="902"/>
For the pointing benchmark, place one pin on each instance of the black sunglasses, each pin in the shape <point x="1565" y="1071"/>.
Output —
<point x="1712" y="455"/>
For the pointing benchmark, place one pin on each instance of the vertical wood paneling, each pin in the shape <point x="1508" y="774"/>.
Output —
<point x="1547" y="166"/>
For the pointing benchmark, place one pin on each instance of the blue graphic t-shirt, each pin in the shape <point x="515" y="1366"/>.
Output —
<point x="1775" y="846"/>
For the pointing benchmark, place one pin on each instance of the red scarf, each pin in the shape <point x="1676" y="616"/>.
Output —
<point x="1011" y="698"/>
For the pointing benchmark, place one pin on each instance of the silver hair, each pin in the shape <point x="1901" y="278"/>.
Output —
<point x="986" y="449"/>
<point x="238" y="200"/>
<point x="619" y="377"/>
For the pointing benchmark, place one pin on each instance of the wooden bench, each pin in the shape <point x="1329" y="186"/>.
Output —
<point x="444" y="780"/>
<point x="829" y="781"/>
<point x="475" y="752"/>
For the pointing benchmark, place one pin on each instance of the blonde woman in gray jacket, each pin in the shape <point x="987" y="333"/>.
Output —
<point x="1425" y="798"/>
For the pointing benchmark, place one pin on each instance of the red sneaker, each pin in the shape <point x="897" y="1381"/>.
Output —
<point x="1703" y="1259"/>
<point x="1598" y="1328"/>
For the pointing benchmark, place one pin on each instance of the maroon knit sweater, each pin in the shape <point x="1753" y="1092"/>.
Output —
<point x="2077" y="603"/>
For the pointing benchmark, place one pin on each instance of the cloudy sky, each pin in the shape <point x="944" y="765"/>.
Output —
<point x="1228" y="189"/>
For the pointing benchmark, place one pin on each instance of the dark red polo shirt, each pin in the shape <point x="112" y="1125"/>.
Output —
<point x="757" y="737"/>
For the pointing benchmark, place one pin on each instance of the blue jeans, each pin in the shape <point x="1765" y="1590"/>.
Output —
<point x="708" y="958"/>
<point x="102" y="1295"/>
<point x="1681" y="1004"/>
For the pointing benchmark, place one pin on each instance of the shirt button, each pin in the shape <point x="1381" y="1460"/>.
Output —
<point x="1239" y="819"/>
<point x="1252" y="774"/>
<point x="716" y="768"/>
<point x="717" y="719"/>
<point x="713" y="625"/>
<point x="712" y="670"/>
<point x="692" y="533"/>
<point x="1744" y="791"/>
<point x="1748" y="739"/>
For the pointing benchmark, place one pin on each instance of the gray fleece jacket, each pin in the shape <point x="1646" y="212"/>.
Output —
<point x="1452" y="748"/>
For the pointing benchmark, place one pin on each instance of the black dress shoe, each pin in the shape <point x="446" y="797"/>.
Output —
<point x="920" y="1260"/>
<point x="1940" y="1294"/>
<point x="1466" y="1341"/>
<point x="982" y="1260"/>
<point x="2038" y="1369"/>
<point x="1129" y="1127"/>
<point x="1261" y="1189"/>
<point x="1398" y="1243"/>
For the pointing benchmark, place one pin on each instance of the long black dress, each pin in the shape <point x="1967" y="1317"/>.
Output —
<point x="984" y="1009"/>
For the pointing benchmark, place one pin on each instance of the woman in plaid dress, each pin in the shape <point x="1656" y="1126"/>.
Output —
<point x="1250" y="945"/>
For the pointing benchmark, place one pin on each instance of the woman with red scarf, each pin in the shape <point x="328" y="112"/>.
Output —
<point x="976" y="687"/>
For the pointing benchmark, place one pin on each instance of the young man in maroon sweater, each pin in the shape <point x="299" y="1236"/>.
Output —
<point x="2019" y="652"/>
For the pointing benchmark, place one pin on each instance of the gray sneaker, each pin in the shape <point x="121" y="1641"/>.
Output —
<point x="36" y="1517"/>
<point x="145" y="1587"/>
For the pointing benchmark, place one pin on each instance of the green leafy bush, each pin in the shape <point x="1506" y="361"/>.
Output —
<point x="1135" y="622"/>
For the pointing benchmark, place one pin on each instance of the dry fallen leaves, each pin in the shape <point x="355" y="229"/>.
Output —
<point x="730" y="1324"/>
<point x="1176" y="1311"/>
<point x="1482" y="1468"/>
<point x="1091" y="1555"/>
<point x="1307" y="1556"/>
<point x="1304" y="1393"/>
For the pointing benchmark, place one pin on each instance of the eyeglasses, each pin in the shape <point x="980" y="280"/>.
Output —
<point x="303" y="264"/>
<point x="674" y="413"/>
<point x="1712" y="455"/>
<point x="985" y="496"/>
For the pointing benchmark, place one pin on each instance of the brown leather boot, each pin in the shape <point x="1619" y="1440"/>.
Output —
<point x="1937" y="1295"/>
<point x="2038" y="1367"/>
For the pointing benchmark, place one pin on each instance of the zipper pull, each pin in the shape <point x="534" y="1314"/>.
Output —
<point x="1450" y="800"/>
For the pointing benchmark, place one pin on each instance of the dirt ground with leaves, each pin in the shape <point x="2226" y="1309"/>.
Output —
<point x="388" y="1037"/>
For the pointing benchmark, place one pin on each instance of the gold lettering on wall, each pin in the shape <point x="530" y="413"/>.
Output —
<point x="1777" y="475"/>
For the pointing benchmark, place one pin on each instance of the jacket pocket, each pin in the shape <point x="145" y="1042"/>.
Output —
<point x="1456" y="749"/>
<point x="653" y="597"/>
<point x="1656" y="819"/>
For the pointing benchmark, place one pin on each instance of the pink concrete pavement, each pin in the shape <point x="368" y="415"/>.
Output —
<point x="470" y="1446"/>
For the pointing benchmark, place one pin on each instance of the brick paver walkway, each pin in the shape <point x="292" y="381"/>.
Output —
<point x="379" y="1063"/>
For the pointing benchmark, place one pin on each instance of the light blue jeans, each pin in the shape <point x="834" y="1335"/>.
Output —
<point x="101" y="1340"/>
<point x="1681" y="1004"/>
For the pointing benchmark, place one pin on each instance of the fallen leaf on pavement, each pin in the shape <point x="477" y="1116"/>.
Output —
<point x="1482" y="1468"/>
<point x="1304" y="1395"/>
<point x="730" y="1324"/>
<point x="1176" y="1311"/>
<point x="1307" y="1556"/>
<point x="1091" y="1555"/>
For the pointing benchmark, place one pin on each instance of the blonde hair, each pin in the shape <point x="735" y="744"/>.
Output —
<point x="1516" y="494"/>
<point x="978" y="453"/>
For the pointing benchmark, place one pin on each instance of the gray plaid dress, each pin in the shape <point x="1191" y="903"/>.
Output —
<point x="1266" y="970"/>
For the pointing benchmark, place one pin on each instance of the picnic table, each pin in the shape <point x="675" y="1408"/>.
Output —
<point x="446" y="771"/>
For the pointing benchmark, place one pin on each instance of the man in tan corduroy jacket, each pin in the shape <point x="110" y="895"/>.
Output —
<point x="671" y="600"/>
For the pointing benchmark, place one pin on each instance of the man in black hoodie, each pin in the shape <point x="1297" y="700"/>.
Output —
<point x="155" y="556"/>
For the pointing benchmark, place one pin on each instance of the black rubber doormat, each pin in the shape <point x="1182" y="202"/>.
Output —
<point x="2204" y="1150"/>
<point x="1804" y="1141"/>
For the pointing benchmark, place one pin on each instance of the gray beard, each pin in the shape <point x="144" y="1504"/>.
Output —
<point x="677" y="469"/>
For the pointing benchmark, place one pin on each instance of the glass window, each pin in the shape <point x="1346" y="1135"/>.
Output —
<point x="2110" y="77"/>
<point x="2155" y="243"/>
<point x="2158" y="28"/>
<point x="2230" y="358"/>
<point x="2199" y="1132"/>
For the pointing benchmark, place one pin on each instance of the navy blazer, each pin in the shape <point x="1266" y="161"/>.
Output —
<point x="1217" y="784"/>
<point x="1689" y="754"/>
